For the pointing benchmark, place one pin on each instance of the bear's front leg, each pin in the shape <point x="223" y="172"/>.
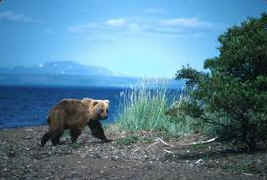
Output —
<point x="75" y="133"/>
<point x="97" y="130"/>
<point x="55" y="137"/>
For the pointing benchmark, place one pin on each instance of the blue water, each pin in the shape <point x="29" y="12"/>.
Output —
<point x="29" y="106"/>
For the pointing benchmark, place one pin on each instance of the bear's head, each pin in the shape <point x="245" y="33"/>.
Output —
<point x="99" y="108"/>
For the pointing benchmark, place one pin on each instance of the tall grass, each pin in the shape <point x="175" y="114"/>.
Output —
<point x="143" y="107"/>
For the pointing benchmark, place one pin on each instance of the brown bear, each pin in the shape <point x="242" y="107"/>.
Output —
<point x="75" y="114"/>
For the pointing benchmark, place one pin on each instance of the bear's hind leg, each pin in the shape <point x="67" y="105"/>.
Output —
<point x="97" y="130"/>
<point x="75" y="133"/>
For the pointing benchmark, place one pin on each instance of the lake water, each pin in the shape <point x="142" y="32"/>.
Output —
<point x="28" y="106"/>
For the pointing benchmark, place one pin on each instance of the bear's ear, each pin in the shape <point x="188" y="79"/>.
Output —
<point x="106" y="101"/>
<point x="95" y="103"/>
<point x="86" y="101"/>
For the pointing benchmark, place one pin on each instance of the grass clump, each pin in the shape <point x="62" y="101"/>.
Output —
<point x="144" y="107"/>
<point x="75" y="145"/>
<point x="132" y="139"/>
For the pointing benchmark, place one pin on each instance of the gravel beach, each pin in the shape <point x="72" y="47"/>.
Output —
<point x="21" y="157"/>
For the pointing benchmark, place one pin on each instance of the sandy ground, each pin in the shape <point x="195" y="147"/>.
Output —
<point x="21" y="157"/>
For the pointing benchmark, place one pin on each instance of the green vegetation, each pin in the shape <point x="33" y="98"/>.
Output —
<point x="75" y="145"/>
<point x="132" y="139"/>
<point x="230" y="97"/>
<point x="228" y="100"/>
<point x="144" y="108"/>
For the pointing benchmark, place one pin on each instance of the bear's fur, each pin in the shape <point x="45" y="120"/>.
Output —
<point x="75" y="114"/>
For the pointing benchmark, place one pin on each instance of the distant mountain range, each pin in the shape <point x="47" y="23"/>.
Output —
<point x="67" y="73"/>
<point x="59" y="68"/>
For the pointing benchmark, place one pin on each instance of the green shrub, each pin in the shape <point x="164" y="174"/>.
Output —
<point x="230" y="98"/>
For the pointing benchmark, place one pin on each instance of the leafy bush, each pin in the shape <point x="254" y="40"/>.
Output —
<point x="230" y="98"/>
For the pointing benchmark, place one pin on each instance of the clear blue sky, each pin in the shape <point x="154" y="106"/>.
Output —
<point x="151" y="38"/>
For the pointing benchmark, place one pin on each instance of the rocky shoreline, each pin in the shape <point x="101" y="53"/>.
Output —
<point x="21" y="157"/>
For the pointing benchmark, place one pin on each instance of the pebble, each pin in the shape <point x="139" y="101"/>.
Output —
<point x="11" y="154"/>
<point x="114" y="158"/>
<point x="83" y="155"/>
<point x="199" y="162"/>
<point x="29" y="129"/>
<point x="27" y="137"/>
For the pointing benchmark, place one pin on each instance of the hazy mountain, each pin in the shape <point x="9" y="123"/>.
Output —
<point x="62" y="67"/>
<point x="67" y="73"/>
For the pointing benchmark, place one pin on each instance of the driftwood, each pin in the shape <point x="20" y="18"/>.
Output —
<point x="200" y="142"/>
<point x="137" y="149"/>
<point x="163" y="142"/>
<point x="152" y="145"/>
<point x="159" y="140"/>
<point x="167" y="151"/>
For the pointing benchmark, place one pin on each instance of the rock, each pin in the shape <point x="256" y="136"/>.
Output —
<point x="29" y="129"/>
<point x="83" y="155"/>
<point x="11" y="154"/>
<point x="199" y="162"/>
<point x="114" y="158"/>
<point x="27" y="137"/>
<point x="5" y="169"/>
